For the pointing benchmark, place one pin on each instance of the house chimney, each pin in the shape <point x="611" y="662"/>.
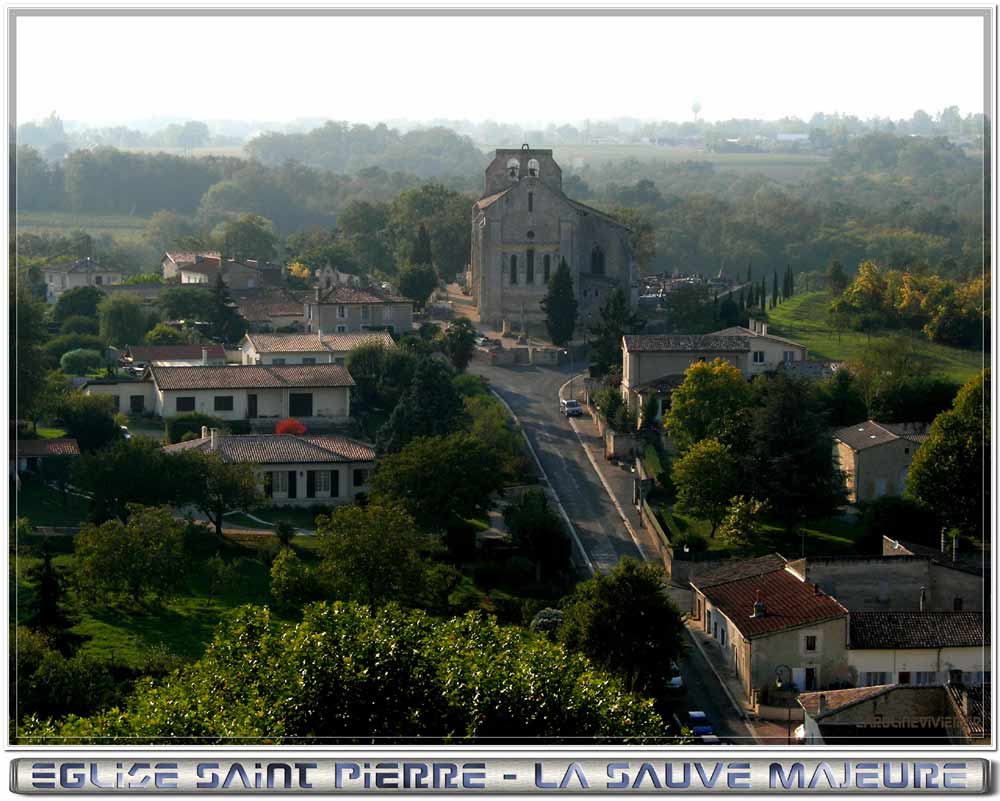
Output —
<point x="923" y="598"/>
<point x="204" y="356"/>
<point x="758" y="606"/>
<point x="204" y="432"/>
<point x="214" y="434"/>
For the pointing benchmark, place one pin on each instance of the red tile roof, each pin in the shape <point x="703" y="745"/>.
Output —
<point x="788" y="603"/>
<point x="25" y="448"/>
<point x="260" y="304"/>
<point x="351" y="294"/>
<point x="280" y="449"/>
<point x="733" y="569"/>
<point x="188" y="257"/>
<point x="256" y="376"/>
<point x="685" y="343"/>
<point x="836" y="700"/>
<point x="151" y="353"/>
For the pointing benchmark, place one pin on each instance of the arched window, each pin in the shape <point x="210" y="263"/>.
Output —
<point x="513" y="165"/>
<point x="529" y="274"/>
<point x="513" y="269"/>
<point x="531" y="201"/>
<point x="597" y="261"/>
<point x="533" y="168"/>
<point x="546" y="267"/>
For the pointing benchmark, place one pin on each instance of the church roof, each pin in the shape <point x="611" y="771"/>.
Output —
<point x="489" y="200"/>
<point x="597" y="212"/>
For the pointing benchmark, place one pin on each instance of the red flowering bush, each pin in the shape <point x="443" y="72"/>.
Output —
<point x="290" y="426"/>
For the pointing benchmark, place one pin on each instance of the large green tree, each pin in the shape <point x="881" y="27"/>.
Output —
<point x="627" y="623"/>
<point x="948" y="471"/>
<point x="417" y="282"/>
<point x="186" y="303"/>
<point x="89" y="419"/>
<point x="387" y="672"/>
<point x="706" y="477"/>
<point x="560" y="306"/>
<point x="430" y="407"/>
<point x="616" y="319"/>
<point x="538" y="531"/>
<point x="123" y="321"/>
<point x="80" y="301"/>
<point x="438" y="478"/>
<point x="711" y="393"/>
<point x="445" y="213"/>
<point x="459" y="342"/>
<point x="226" y="321"/>
<point x="249" y="236"/>
<point x="26" y="335"/>
<point x="217" y="487"/>
<point x="372" y="553"/>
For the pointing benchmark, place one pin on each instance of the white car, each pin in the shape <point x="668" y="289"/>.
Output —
<point x="676" y="682"/>
<point x="570" y="408"/>
<point x="126" y="434"/>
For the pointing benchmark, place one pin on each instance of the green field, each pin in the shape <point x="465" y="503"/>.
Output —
<point x="804" y="319"/>
<point x="786" y="167"/>
<point x="61" y="222"/>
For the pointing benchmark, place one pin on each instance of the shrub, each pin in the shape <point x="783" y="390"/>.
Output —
<point x="78" y="324"/>
<point x="290" y="426"/>
<point x="741" y="525"/>
<point x="693" y="540"/>
<point x="81" y="361"/>
<point x="293" y="583"/>
<point x="284" y="531"/>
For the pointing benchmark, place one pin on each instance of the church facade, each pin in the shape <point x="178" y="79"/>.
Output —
<point x="523" y="225"/>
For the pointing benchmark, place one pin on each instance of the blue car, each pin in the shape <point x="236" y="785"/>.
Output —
<point x="699" y="724"/>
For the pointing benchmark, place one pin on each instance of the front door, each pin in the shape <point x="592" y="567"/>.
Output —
<point x="300" y="404"/>
<point x="810" y="679"/>
<point x="252" y="406"/>
<point x="136" y="404"/>
<point x="292" y="487"/>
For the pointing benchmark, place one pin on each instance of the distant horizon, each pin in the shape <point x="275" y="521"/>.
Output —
<point x="355" y="69"/>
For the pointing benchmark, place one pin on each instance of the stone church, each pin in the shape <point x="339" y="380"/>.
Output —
<point x="523" y="225"/>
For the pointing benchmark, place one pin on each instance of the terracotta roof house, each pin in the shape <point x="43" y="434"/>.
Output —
<point x="30" y="455"/>
<point x="71" y="275"/>
<point x="921" y="648"/>
<point x="767" y="351"/>
<point x="247" y="274"/>
<point x="335" y="308"/>
<point x="294" y="470"/>
<point x="176" y="355"/>
<point x="875" y="458"/>
<point x="772" y="619"/>
<point x="733" y="569"/>
<point x="319" y="348"/>
<point x="650" y="361"/>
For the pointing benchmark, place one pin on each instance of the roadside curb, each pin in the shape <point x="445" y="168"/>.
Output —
<point x="604" y="481"/>
<point x="538" y="463"/>
<point x="725" y="687"/>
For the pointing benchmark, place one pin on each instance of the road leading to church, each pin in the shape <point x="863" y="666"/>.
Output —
<point x="533" y="394"/>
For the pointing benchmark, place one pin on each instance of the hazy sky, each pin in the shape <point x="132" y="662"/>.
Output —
<point x="524" y="70"/>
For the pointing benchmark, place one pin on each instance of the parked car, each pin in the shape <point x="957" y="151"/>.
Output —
<point x="126" y="434"/>
<point x="570" y="407"/>
<point x="699" y="723"/>
<point x="676" y="682"/>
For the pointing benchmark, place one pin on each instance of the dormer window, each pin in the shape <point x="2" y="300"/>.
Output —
<point x="533" y="168"/>
<point x="513" y="166"/>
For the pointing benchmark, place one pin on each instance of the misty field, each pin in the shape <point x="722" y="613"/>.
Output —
<point x="58" y="222"/>
<point x="785" y="167"/>
<point x="804" y="319"/>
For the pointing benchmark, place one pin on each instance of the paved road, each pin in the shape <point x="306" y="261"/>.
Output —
<point x="532" y="393"/>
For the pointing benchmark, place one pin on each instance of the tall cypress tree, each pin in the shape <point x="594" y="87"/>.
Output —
<point x="791" y="281"/>
<point x="774" y="290"/>
<point x="422" y="248"/>
<point x="560" y="306"/>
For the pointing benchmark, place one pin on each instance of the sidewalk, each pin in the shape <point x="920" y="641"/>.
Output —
<point x="723" y="670"/>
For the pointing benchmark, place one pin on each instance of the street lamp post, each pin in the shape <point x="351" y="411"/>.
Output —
<point x="780" y="684"/>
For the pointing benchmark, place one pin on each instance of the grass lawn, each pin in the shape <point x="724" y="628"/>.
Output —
<point x="46" y="432"/>
<point x="827" y="536"/>
<point x="804" y="319"/>
<point x="56" y="222"/>
<point x="44" y="506"/>
<point x="300" y="518"/>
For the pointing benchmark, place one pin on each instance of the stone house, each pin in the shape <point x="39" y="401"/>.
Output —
<point x="317" y="348"/>
<point x="875" y="457"/>
<point x="270" y="308"/>
<point x="920" y="648"/>
<point x="767" y="351"/>
<point x="172" y="262"/>
<point x="523" y="225"/>
<point x="60" y="278"/>
<point x="898" y="582"/>
<point x="958" y="578"/>
<point x="892" y="714"/>
<point x="654" y="363"/>
<point x="338" y="309"/>
<point x="248" y="274"/>
<point x="771" y="620"/>
<point x="292" y="470"/>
